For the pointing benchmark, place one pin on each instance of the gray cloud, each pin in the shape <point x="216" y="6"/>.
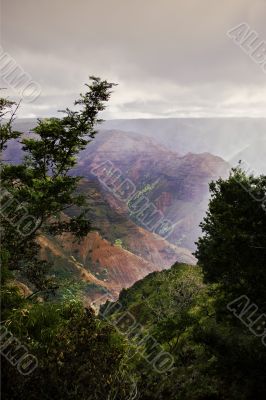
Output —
<point x="170" y="57"/>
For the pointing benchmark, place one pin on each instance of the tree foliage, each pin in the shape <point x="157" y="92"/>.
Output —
<point x="232" y="250"/>
<point x="42" y="186"/>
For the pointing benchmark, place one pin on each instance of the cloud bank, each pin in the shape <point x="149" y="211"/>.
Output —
<point x="171" y="58"/>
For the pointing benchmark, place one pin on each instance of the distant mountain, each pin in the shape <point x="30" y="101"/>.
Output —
<point x="175" y="186"/>
<point x="230" y="138"/>
<point x="125" y="248"/>
<point x="225" y="137"/>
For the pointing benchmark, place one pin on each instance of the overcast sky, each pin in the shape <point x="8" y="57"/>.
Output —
<point x="171" y="58"/>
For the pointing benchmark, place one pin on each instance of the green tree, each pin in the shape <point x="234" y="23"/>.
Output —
<point x="232" y="254"/>
<point x="78" y="356"/>
<point x="42" y="186"/>
<point x="232" y="250"/>
<point x="8" y="111"/>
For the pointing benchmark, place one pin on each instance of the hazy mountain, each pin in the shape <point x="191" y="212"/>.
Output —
<point x="175" y="186"/>
<point x="225" y="137"/>
<point x="230" y="138"/>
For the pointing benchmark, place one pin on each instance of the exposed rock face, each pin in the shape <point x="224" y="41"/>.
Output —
<point x="111" y="219"/>
<point x="96" y="261"/>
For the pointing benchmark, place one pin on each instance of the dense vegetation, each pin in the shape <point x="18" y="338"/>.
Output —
<point x="207" y="321"/>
